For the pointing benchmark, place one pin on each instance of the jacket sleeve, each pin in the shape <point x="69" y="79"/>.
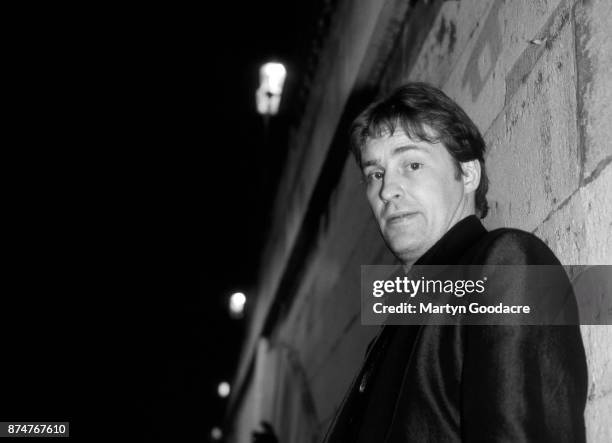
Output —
<point x="522" y="383"/>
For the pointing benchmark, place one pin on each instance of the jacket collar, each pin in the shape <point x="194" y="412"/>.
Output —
<point x="455" y="243"/>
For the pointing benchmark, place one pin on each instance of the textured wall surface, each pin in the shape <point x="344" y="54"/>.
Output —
<point x="536" y="76"/>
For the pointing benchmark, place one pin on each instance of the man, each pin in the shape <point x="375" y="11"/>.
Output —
<point x="423" y="162"/>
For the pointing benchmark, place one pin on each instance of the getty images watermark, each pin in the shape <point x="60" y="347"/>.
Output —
<point x="486" y="295"/>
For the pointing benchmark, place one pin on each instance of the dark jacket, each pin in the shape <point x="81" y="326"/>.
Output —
<point x="470" y="383"/>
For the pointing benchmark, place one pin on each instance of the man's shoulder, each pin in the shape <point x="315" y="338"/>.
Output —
<point x="509" y="246"/>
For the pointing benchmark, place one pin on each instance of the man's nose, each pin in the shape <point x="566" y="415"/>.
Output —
<point x="390" y="189"/>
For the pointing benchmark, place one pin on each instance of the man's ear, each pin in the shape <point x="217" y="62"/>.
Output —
<point x="471" y="175"/>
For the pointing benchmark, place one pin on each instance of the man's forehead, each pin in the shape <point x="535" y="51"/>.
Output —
<point x="387" y="138"/>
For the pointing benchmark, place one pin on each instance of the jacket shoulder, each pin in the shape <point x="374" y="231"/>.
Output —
<point x="508" y="246"/>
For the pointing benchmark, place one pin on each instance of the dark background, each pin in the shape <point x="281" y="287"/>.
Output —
<point x="138" y="187"/>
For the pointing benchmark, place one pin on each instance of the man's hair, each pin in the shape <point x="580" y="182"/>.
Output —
<point x="414" y="107"/>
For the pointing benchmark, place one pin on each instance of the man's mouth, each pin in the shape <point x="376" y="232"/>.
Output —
<point x="400" y="218"/>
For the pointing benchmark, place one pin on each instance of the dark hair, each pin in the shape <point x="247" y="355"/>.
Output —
<point x="414" y="107"/>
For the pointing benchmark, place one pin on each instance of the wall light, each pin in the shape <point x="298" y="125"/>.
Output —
<point x="236" y="304"/>
<point x="216" y="433"/>
<point x="271" y="80"/>
<point x="223" y="389"/>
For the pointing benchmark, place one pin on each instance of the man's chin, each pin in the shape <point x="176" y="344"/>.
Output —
<point x="405" y="251"/>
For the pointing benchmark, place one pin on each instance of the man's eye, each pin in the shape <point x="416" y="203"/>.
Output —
<point x="373" y="176"/>
<point x="413" y="166"/>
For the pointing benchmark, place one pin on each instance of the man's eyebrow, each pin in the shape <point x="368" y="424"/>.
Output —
<point x="369" y="163"/>
<point x="396" y="151"/>
<point x="404" y="148"/>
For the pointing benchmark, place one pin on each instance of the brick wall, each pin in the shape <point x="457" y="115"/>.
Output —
<point x="536" y="76"/>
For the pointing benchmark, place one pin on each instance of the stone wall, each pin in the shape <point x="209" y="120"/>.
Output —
<point x="536" y="76"/>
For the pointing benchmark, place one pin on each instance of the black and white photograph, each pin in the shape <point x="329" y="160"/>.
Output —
<point x="310" y="221"/>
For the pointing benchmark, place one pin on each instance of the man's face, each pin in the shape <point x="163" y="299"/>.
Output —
<point x="414" y="192"/>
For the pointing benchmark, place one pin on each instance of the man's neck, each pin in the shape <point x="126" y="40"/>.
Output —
<point x="463" y="228"/>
